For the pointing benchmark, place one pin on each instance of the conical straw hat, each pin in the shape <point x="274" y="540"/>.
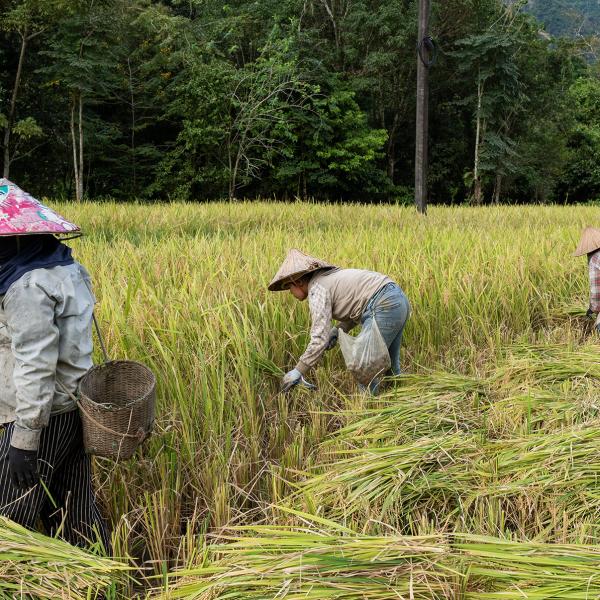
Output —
<point x="296" y="265"/>
<point x="21" y="214"/>
<point x="590" y="241"/>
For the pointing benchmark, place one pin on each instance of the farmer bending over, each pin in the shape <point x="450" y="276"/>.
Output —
<point x="46" y="306"/>
<point x="590" y="245"/>
<point x="350" y="296"/>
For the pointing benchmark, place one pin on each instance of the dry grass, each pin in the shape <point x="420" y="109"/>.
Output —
<point x="493" y="431"/>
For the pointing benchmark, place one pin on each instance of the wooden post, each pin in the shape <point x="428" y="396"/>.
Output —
<point x="422" y="109"/>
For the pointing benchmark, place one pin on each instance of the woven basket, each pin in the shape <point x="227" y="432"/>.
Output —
<point x="117" y="408"/>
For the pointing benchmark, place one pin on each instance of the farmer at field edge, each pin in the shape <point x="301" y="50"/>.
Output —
<point x="46" y="306"/>
<point x="350" y="296"/>
<point x="590" y="246"/>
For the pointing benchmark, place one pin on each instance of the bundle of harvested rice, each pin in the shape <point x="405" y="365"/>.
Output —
<point x="35" y="566"/>
<point x="292" y="563"/>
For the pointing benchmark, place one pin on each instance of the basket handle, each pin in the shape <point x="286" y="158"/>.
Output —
<point x="104" y="352"/>
<point x="64" y="390"/>
<point x="100" y="338"/>
<point x="140" y="435"/>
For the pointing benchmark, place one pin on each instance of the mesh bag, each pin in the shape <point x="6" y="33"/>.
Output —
<point x="366" y="355"/>
<point x="116" y="403"/>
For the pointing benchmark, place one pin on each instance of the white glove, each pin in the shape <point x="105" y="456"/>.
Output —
<point x="290" y="379"/>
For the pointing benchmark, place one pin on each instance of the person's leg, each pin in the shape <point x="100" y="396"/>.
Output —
<point x="391" y="312"/>
<point x="76" y="515"/>
<point x="24" y="506"/>
<point x="394" y="347"/>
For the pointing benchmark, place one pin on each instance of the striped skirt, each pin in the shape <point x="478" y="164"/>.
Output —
<point x="69" y="503"/>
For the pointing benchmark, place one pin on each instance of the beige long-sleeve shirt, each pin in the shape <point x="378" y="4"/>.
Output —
<point x="340" y="294"/>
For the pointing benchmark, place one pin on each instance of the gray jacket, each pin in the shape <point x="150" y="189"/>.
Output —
<point x="45" y="336"/>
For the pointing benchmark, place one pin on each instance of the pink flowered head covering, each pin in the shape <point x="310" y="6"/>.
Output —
<point x="21" y="214"/>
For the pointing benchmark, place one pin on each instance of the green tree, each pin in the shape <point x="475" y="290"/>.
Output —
<point x="232" y="117"/>
<point x="25" y="19"/>
<point x="333" y="152"/>
<point x="498" y="97"/>
<point x="83" y="68"/>
<point x="582" y="178"/>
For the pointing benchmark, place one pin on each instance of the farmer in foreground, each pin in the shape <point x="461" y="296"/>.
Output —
<point x="590" y="246"/>
<point x="46" y="308"/>
<point x="350" y="296"/>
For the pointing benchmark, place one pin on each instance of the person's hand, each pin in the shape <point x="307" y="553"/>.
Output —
<point x="333" y="338"/>
<point x="590" y="313"/>
<point x="23" y="468"/>
<point x="290" y="379"/>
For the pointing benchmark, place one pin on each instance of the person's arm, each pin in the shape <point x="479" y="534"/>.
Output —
<point x="595" y="283"/>
<point x="319" y="301"/>
<point x="34" y="336"/>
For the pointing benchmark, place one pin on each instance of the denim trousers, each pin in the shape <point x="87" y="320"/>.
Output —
<point x="390" y="308"/>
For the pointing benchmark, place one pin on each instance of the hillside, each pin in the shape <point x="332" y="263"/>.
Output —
<point x="567" y="17"/>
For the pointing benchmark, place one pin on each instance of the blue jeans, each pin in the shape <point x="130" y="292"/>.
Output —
<point x="390" y="308"/>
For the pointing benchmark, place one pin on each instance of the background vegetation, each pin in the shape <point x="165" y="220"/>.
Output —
<point x="567" y="17"/>
<point x="204" y="99"/>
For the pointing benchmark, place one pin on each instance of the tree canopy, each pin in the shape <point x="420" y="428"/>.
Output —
<point x="205" y="99"/>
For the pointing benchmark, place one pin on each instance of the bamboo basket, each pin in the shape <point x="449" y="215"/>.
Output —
<point x="117" y="403"/>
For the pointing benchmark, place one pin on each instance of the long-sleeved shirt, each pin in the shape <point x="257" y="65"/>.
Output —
<point x="595" y="284"/>
<point x="340" y="294"/>
<point x="47" y="316"/>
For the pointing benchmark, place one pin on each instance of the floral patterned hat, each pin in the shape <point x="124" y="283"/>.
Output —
<point x="21" y="214"/>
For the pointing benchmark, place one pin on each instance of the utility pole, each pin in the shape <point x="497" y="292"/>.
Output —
<point x="425" y="55"/>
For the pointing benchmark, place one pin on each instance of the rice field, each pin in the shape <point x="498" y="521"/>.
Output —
<point x="475" y="475"/>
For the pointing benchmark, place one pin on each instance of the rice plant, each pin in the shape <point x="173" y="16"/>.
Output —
<point x="35" y="566"/>
<point x="491" y="430"/>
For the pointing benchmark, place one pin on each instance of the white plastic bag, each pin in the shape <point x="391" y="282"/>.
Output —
<point x="366" y="355"/>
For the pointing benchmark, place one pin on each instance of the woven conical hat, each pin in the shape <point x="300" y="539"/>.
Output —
<point x="590" y="241"/>
<point x="21" y="214"/>
<point x="296" y="265"/>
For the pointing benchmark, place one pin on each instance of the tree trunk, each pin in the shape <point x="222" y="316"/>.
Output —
<point x="422" y="113"/>
<point x="230" y="165"/>
<point x="12" y="109"/>
<point x="74" y="146"/>
<point x="80" y="190"/>
<point x="477" y="192"/>
<point x="337" y="36"/>
<point x="133" y="122"/>
<point x="236" y="166"/>
<point x="233" y="177"/>
<point x="391" y="148"/>
<point x="497" y="188"/>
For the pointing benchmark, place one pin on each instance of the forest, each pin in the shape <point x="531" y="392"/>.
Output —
<point x="282" y="99"/>
<point x="567" y="17"/>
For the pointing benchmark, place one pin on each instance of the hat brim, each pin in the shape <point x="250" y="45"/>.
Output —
<point x="282" y="285"/>
<point x="62" y="236"/>
<point x="584" y="252"/>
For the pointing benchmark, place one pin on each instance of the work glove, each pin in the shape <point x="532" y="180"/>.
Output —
<point x="590" y="313"/>
<point x="23" y="468"/>
<point x="333" y="338"/>
<point x="290" y="379"/>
